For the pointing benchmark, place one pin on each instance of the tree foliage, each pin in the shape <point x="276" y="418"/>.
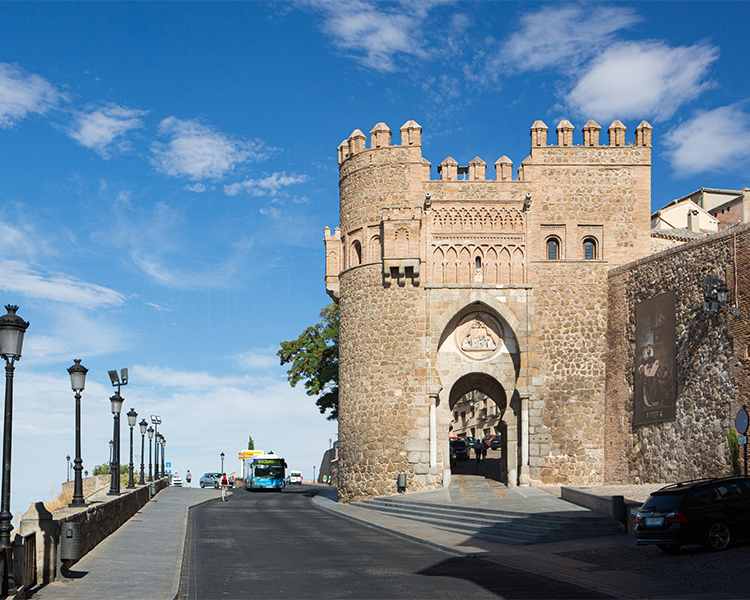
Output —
<point x="314" y="359"/>
<point x="250" y="443"/>
<point x="734" y="450"/>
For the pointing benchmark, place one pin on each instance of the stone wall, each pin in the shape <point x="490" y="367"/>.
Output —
<point x="711" y="369"/>
<point x="91" y="485"/>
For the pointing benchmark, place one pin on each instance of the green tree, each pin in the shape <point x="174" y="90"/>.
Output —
<point x="250" y="443"/>
<point x="314" y="359"/>
<point x="734" y="450"/>
<point x="101" y="469"/>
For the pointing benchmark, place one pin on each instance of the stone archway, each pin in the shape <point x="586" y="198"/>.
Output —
<point x="479" y="351"/>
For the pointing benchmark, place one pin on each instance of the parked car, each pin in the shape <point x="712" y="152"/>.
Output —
<point x="712" y="512"/>
<point x="295" y="477"/>
<point x="493" y="441"/>
<point x="210" y="480"/>
<point x="176" y="480"/>
<point x="459" y="447"/>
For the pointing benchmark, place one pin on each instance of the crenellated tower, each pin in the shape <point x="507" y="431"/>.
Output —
<point x="463" y="283"/>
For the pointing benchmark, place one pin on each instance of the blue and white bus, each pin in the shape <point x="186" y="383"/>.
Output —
<point x="264" y="472"/>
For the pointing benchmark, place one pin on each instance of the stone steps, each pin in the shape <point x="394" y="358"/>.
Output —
<point x="502" y="526"/>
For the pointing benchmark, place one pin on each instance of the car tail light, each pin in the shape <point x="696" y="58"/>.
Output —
<point x="638" y="518"/>
<point x="676" y="517"/>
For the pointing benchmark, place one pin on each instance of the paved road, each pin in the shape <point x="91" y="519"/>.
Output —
<point x="271" y="545"/>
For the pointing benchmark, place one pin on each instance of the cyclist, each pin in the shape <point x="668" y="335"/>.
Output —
<point x="224" y="485"/>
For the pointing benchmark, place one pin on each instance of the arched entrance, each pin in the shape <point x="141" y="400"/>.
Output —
<point x="478" y="404"/>
<point x="479" y="361"/>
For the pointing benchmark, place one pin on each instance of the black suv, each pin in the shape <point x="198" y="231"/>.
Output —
<point x="459" y="448"/>
<point x="712" y="512"/>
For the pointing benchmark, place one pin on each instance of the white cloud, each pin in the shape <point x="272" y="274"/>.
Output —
<point x="376" y="33"/>
<point x="199" y="151"/>
<point x="714" y="140"/>
<point x="257" y="359"/>
<point x="19" y="278"/>
<point x="270" y="212"/>
<point x="642" y="79"/>
<point x="98" y="128"/>
<point x="265" y="186"/>
<point x="23" y="93"/>
<point x="562" y="36"/>
<point x="198" y="188"/>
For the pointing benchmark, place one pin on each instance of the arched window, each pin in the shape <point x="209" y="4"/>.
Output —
<point x="357" y="254"/>
<point x="553" y="248"/>
<point x="589" y="249"/>
<point x="478" y="262"/>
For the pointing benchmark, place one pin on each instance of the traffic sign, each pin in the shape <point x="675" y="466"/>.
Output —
<point x="742" y="440"/>
<point x="742" y="421"/>
<point x="168" y="465"/>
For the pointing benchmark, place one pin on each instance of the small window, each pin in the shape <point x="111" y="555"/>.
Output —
<point x="553" y="249"/>
<point x="478" y="262"/>
<point x="589" y="249"/>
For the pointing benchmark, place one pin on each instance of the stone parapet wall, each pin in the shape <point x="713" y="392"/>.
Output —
<point x="710" y="364"/>
<point x="91" y="485"/>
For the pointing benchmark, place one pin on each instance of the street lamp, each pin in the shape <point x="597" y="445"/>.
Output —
<point x="150" y="432"/>
<point x="222" y="463"/>
<point x="163" y="452"/>
<point x="715" y="296"/>
<point x="111" y="454"/>
<point x="156" y="420"/>
<point x="132" y="416"/>
<point x="68" y="459"/>
<point x="114" y="486"/>
<point x="12" y="329"/>
<point x="143" y="425"/>
<point x="77" y="382"/>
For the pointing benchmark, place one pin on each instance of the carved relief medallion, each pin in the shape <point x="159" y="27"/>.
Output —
<point x="478" y="335"/>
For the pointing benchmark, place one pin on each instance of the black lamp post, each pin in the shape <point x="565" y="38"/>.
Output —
<point x="116" y="400"/>
<point x="114" y="485"/>
<point x="111" y="454"/>
<point x="77" y="382"/>
<point x="12" y="329"/>
<point x="150" y="432"/>
<point x="68" y="459"/>
<point x="143" y="425"/>
<point x="163" y="452"/>
<point x="132" y="416"/>
<point x="222" y="463"/>
<point x="156" y="421"/>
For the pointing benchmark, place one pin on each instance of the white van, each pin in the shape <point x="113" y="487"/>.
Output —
<point x="295" y="476"/>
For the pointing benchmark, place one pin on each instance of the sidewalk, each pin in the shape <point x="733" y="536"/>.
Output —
<point x="542" y="559"/>
<point x="142" y="559"/>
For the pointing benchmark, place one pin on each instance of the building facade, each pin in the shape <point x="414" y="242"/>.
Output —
<point x="464" y="284"/>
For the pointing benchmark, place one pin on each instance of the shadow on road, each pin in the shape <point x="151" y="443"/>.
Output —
<point x="506" y="582"/>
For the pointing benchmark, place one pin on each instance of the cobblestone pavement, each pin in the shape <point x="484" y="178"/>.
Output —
<point x="692" y="565"/>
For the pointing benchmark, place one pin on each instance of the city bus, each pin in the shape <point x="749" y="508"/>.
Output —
<point x="264" y="472"/>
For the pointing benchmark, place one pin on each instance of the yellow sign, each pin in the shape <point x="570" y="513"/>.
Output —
<point x="249" y="453"/>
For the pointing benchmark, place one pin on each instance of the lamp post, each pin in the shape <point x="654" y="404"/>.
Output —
<point x="111" y="454"/>
<point x="222" y="463"/>
<point x="77" y="382"/>
<point x="150" y="432"/>
<point x="12" y="329"/>
<point x="143" y="425"/>
<point x="132" y="416"/>
<point x="114" y="470"/>
<point x="116" y="400"/>
<point x="68" y="459"/>
<point x="156" y="421"/>
<point x="163" y="452"/>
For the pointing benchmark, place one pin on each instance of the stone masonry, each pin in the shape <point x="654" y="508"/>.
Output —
<point x="467" y="283"/>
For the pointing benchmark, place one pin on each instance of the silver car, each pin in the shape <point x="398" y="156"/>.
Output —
<point x="210" y="480"/>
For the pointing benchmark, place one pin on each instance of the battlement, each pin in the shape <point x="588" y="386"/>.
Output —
<point x="450" y="170"/>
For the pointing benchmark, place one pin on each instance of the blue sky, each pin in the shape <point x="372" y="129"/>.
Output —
<point x="167" y="169"/>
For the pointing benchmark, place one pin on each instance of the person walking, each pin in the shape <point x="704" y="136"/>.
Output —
<point x="188" y="478"/>
<point x="478" y="445"/>
<point x="484" y="451"/>
<point x="224" y="484"/>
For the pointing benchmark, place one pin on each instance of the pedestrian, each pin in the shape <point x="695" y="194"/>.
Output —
<point x="224" y="484"/>
<point x="484" y="451"/>
<point x="478" y="445"/>
<point x="188" y="478"/>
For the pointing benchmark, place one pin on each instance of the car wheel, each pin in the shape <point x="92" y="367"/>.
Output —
<point x="668" y="547"/>
<point x="202" y="485"/>
<point x="718" y="536"/>
<point x="216" y="485"/>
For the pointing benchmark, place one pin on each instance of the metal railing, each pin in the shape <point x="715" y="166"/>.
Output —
<point x="18" y="566"/>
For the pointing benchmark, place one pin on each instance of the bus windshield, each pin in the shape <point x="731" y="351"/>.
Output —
<point x="273" y="470"/>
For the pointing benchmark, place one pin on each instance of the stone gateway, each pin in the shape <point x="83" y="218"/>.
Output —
<point x="465" y="284"/>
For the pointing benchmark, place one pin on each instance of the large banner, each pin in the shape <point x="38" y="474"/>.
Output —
<point x="656" y="340"/>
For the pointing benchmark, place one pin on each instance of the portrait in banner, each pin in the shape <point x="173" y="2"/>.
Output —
<point x="654" y="382"/>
